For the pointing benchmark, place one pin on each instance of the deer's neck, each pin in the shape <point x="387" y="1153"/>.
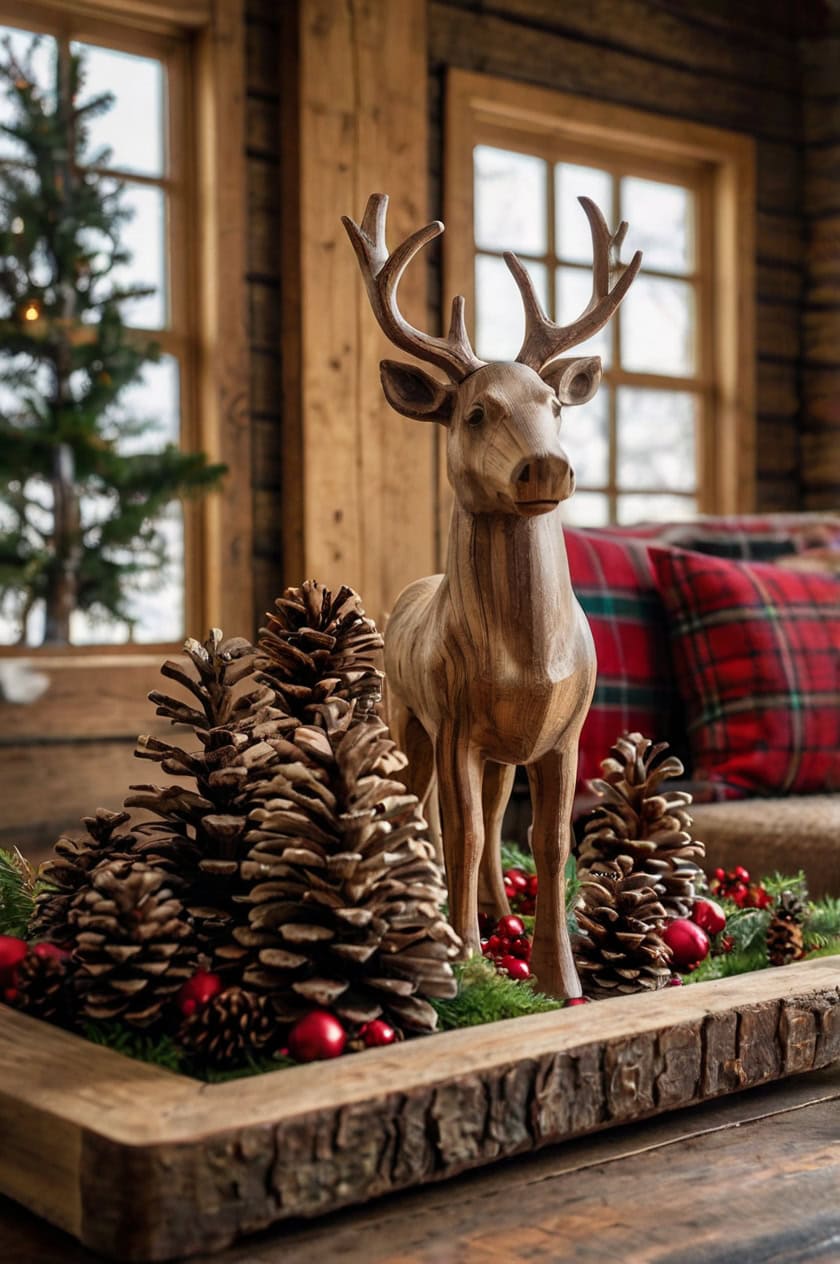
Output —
<point x="507" y="579"/>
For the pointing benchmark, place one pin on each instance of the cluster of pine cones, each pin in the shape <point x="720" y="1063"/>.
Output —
<point x="639" y="867"/>
<point x="286" y="856"/>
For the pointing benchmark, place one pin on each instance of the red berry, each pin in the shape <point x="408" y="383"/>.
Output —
<point x="510" y="889"/>
<point x="495" y="944"/>
<point x="45" y="950"/>
<point x="533" y="884"/>
<point x="720" y="874"/>
<point x="516" y="968"/>
<point x="709" y="915"/>
<point x="12" y="951"/>
<point x="738" y="893"/>
<point x="521" y="947"/>
<point x="527" y="906"/>
<point x="518" y="879"/>
<point x="318" y="1035"/>
<point x="741" y="873"/>
<point x="510" y="926"/>
<point x="485" y="925"/>
<point x="576" y="1000"/>
<point x="10" y="995"/>
<point x="378" y="1032"/>
<point x="198" y="992"/>
<point x="674" y="981"/>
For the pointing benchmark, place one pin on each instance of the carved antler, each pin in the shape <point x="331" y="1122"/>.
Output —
<point x="381" y="273"/>
<point x="543" y="339"/>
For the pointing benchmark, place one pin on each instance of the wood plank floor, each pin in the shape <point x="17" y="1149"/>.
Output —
<point x="752" y="1179"/>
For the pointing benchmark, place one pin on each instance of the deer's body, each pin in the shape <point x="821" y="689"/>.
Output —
<point x="492" y="664"/>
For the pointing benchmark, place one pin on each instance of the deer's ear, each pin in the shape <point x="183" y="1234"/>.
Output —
<point x="415" y="394"/>
<point x="575" y="379"/>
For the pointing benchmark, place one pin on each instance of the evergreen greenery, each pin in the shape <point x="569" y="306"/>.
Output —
<point x="79" y="517"/>
<point x="485" y="996"/>
<point x="18" y="889"/>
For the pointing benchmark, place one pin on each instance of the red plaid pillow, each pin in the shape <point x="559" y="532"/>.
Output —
<point x="757" y="659"/>
<point x="615" y="584"/>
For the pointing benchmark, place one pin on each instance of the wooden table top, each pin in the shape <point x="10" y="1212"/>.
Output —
<point x="750" y="1179"/>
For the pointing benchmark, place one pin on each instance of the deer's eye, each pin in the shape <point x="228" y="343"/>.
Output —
<point x="475" y="416"/>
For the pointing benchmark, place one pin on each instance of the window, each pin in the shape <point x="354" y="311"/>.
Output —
<point x="146" y="132"/>
<point x="667" y="435"/>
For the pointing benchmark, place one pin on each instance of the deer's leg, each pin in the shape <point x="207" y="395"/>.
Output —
<point x="552" y="781"/>
<point x="459" y="777"/>
<point x="498" y="781"/>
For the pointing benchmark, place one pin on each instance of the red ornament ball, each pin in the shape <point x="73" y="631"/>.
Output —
<point x="575" y="1000"/>
<point x="198" y="992"/>
<point x="521" y="948"/>
<point x="516" y="967"/>
<point x="377" y="1032"/>
<point x="12" y="952"/>
<point x="44" y="950"/>
<point x="709" y="916"/>
<point x="674" y="981"/>
<point x="518" y="879"/>
<point x="319" y="1035"/>
<point x="510" y="927"/>
<point x="688" y="942"/>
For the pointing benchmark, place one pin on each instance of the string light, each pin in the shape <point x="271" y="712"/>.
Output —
<point x="31" y="312"/>
<point x="17" y="224"/>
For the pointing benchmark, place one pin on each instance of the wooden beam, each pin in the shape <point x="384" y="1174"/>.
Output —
<point x="358" y="485"/>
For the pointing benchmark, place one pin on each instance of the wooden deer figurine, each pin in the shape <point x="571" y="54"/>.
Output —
<point x="492" y="664"/>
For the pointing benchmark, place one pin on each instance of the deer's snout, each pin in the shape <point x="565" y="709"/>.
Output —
<point x="541" y="482"/>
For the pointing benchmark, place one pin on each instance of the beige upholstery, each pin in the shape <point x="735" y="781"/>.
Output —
<point x="765" y="835"/>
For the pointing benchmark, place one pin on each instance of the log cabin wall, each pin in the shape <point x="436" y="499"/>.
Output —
<point x="820" y="64"/>
<point x="710" y="61"/>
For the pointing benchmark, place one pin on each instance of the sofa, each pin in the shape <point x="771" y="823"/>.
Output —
<point x="721" y="636"/>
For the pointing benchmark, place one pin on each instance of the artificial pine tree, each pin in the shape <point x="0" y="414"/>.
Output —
<point x="640" y="819"/>
<point x="80" y="521"/>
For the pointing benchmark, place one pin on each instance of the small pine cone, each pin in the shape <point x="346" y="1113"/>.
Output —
<point x="232" y="1027"/>
<point x="68" y="870"/>
<point x="784" y="934"/>
<point x="41" y="986"/>
<point x="644" y="822"/>
<point x="620" y="948"/>
<point x="317" y="645"/>
<point x="345" y="892"/>
<point x="131" y="943"/>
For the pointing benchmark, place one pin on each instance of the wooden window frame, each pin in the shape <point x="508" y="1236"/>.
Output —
<point x="719" y="166"/>
<point x="201" y="43"/>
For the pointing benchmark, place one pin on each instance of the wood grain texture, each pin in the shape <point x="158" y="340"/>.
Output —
<point x="148" y="1165"/>
<point x="358" y="503"/>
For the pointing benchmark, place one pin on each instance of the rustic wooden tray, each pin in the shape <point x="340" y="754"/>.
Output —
<point x="142" y="1164"/>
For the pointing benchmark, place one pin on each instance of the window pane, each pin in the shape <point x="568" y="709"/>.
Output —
<point x="144" y="236"/>
<point x="586" y="509"/>
<point x="146" y="415"/>
<point x="659" y="507"/>
<point x="661" y="219"/>
<point x="585" y="437"/>
<point x="510" y="201"/>
<point x="500" y="319"/>
<point x="133" y="128"/>
<point x="657" y="439"/>
<point x="573" y="290"/>
<point x="658" y="326"/>
<point x="574" y="240"/>
<point x="42" y="72"/>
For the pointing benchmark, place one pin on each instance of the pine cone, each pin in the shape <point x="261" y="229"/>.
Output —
<point x="232" y="1027"/>
<point x="130" y="943"/>
<point x="784" y="933"/>
<point x="639" y="820"/>
<point x="41" y="986"/>
<point x="620" y="948"/>
<point x="318" y="646"/>
<point x="345" y="892"/>
<point x="203" y="824"/>
<point x="68" y="870"/>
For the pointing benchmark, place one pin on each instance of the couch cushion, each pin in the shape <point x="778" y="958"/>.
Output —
<point x="757" y="658"/>
<point x="615" y="584"/>
<point x="775" y="835"/>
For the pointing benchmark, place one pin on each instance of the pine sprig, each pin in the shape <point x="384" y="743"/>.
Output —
<point x="18" y="888"/>
<point x="485" y="996"/>
<point x="822" y="923"/>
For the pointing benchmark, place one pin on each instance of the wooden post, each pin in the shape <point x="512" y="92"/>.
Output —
<point x="359" y="489"/>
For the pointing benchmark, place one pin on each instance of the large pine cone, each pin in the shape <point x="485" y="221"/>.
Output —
<point x="317" y="646"/>
<point x="620" y="948"/>
<point x="232" y="1027"/>
<point x="204" y="821"/>
<point x="345" y="892"/>
<point x="69" y="867"/>
<point x="641" y="820"/>
<point x="131" y="943"/>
